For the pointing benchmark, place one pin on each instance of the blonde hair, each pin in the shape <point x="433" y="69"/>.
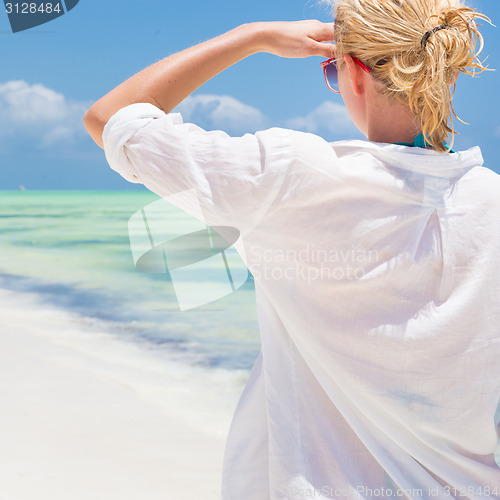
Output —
<point x="415" y="48"/>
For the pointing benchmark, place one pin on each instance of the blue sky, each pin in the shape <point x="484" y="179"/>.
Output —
<point x="52" y="74"/>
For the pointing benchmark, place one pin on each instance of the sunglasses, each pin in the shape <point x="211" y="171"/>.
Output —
<point x="330" y="71"/>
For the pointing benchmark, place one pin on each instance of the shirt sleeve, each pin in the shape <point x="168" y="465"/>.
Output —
<point x="234" y="179"/>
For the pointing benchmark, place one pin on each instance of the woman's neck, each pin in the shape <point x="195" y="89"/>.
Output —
<point x="390" y="121"/>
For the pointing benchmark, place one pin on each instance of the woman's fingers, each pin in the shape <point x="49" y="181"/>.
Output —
<point x="323" y="49"/>
<point x="300" y="38"/>
<point x="325" y="32"/>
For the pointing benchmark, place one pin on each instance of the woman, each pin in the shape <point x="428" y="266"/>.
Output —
<point x="376" y="264"/>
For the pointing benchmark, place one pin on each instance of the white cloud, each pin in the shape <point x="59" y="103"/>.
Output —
<point x="328" y="119"/>
<point x="38" y="116"/>
<point x="222" y="112"/>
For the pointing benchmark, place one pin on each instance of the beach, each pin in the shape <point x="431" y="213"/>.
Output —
<point x="108" y="390"/>
<point x="79" y="419"/>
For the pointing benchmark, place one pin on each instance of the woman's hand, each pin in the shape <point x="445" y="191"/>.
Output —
<point x="298" y="39"/>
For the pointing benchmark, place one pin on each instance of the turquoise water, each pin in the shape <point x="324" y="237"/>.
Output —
<point x="73" y="249"/>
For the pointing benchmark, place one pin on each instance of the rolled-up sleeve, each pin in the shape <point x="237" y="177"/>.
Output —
<point x="235" y="179"/>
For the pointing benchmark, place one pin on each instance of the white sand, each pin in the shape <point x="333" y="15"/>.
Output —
<point x="87" y="417"/>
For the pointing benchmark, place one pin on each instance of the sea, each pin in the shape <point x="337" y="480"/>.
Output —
<point x="72" y="250"/>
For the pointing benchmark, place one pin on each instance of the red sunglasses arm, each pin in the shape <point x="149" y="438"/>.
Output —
<point x="363" y="66"/>
<point x="323" y="64"/>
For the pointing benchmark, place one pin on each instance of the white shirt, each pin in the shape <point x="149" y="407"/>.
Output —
<point x="377" y="280"/>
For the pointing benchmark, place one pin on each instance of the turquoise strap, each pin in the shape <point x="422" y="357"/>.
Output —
<point x="419" y="142"/>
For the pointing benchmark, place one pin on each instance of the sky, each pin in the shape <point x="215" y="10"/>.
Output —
<point x="53" y="73"/>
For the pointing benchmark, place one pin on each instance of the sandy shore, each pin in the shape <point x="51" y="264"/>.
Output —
<point x="88" y="417"/>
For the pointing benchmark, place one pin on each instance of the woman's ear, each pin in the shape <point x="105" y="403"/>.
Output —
<point x="355" y="75"/>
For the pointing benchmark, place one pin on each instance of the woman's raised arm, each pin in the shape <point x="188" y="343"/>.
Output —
<point x="169" y="81"/>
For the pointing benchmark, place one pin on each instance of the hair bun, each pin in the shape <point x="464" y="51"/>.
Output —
<point x="431" y="32"/>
